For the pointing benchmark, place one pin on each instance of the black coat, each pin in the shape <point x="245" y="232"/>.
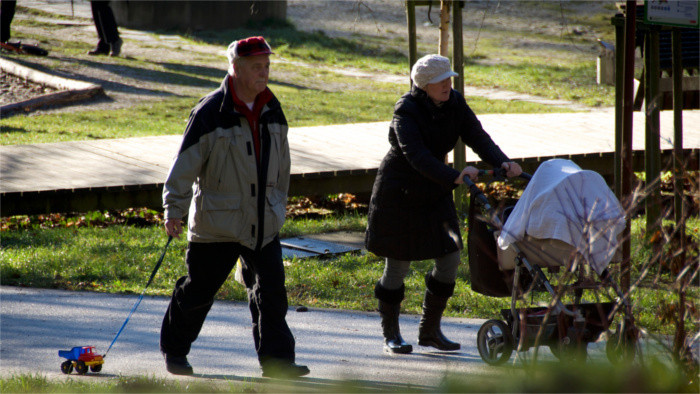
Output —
<point x="411" y="213"/>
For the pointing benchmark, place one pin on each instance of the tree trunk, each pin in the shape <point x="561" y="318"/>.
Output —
<point x="445" y="6"/>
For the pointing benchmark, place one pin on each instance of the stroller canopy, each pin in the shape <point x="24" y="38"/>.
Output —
<point x="575" y="206"/>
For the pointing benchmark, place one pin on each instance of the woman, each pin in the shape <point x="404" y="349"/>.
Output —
<point x="412" y="214"/>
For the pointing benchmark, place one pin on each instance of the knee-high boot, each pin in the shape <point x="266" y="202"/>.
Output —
<point x="389" y="309"/>
<point x="436" y="296"/>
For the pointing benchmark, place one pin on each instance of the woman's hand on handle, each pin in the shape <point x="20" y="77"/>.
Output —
<point x="469" y="171"/>
<point x="512" y="169"/>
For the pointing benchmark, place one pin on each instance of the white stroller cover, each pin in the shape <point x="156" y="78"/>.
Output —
<point x="575" y="206"/>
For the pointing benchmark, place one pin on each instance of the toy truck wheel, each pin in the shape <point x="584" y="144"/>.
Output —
<point x="96" y="368"/>
<point x="67" y="367"/>
<point x="80" y="367"/>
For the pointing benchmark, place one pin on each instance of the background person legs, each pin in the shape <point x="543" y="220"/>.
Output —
<point x="106" y="26"/>
<point x="7" y="13"/>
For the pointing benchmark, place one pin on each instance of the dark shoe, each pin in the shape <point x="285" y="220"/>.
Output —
<point x="429" y="332"/>
<point x="178" y="365"/>
<point x="100" y="49"/>
<point x="12" y="46"/>
<point x="283" y="369"/>
<point x="389" y="308"/>
<point x="116" y="48"/>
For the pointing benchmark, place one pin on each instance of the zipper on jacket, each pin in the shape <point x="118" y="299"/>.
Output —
<point x="226" y="160"/>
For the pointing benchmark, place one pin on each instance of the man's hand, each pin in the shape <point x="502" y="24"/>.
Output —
<point x="512" y="169"/>
<point x="469" y="171"/>
<point x="173" y="227"/>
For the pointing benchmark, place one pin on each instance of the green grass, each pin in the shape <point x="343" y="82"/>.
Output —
<point x="312" y="95"/>
<point x="121" y="384"/>
<point x="655" y="375"/>
<point x="137" y="121"/>
<point x="360" y="51"/>
<point x="118" y="258"/>
<point x="555" y="81"/>
<point x="303" y="107"/>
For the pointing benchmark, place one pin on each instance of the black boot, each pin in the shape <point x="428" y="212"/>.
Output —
<point x="389" y="309"/>
<point x="436" y="296"/>
<point x="102" y="48"/>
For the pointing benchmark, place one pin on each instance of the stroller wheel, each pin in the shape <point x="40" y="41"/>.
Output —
<point x="495" y="342"/>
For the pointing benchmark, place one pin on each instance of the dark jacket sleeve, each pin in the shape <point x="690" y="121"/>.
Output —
<point x="474" y="136"/>
<point x="410" y="141"/>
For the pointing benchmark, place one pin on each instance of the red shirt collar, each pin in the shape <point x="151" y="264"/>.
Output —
<point x="260" y="100"/>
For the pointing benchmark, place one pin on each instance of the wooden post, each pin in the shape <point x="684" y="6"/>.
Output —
<point x="626" y="151"/>
<point x="460" y="151"/>
<point x="678" y="199"/>
<point x="678" y="159"/>
<point x="412" y="37"/>
<point x="444" y="40"/>
<point x="652" y="156"/>
<point x="619" y="81"/>
<point x="412" y="46"/>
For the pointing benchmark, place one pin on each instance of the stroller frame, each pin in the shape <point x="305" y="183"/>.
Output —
<point x="566" y="329"/>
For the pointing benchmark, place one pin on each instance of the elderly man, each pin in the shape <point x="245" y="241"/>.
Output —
<point x="235" y="153"/>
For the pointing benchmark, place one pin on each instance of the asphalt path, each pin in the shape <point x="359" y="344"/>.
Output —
<point x="340" y="347"/>
<point x="336" y="345"/>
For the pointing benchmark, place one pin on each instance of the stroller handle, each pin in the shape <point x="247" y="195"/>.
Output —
<point x="477" y="193"/>
<point x="500" y="174"/>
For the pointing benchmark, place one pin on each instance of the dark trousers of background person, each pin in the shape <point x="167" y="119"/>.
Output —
<point x="105" y="24"/>
<point x="208" y="266"/>
<point x="7" y="13"/>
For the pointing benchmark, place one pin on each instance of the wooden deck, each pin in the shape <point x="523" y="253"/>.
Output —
<point x="118" y="173"/>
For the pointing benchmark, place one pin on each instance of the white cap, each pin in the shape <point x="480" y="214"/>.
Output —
<point x="431" y="69"/>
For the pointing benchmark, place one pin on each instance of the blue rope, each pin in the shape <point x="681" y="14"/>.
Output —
<point x="136" y="305"/>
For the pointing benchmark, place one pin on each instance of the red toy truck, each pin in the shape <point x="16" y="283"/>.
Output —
<point x="81" y="357"/>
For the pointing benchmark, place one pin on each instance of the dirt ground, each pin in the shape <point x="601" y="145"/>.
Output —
<point x="14" y="89"/>
<point x="378" y="18"/>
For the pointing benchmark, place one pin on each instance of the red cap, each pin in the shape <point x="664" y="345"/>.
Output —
<point x="252" y="46"/>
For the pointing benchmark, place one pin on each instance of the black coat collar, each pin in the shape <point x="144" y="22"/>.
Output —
<point x="422" y="97"/>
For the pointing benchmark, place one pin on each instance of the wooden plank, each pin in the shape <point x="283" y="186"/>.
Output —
<point x="321" y="183"/>
<point x="325" y="159"/>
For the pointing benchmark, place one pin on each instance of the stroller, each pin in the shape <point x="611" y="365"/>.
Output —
<point x="568" y="222"/>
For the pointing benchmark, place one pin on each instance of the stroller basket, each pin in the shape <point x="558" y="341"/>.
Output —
<point x="558" y="327"/>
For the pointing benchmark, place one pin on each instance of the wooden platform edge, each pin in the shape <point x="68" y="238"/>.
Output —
<point x="357" y="181"/>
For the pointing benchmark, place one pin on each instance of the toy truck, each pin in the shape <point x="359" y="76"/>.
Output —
<point x="81" y="358"/>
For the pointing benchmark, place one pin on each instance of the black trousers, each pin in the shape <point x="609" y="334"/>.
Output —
<point x="208" y="266"/>
<point x="7" y="13"/>
<point x="105" y="23"/>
